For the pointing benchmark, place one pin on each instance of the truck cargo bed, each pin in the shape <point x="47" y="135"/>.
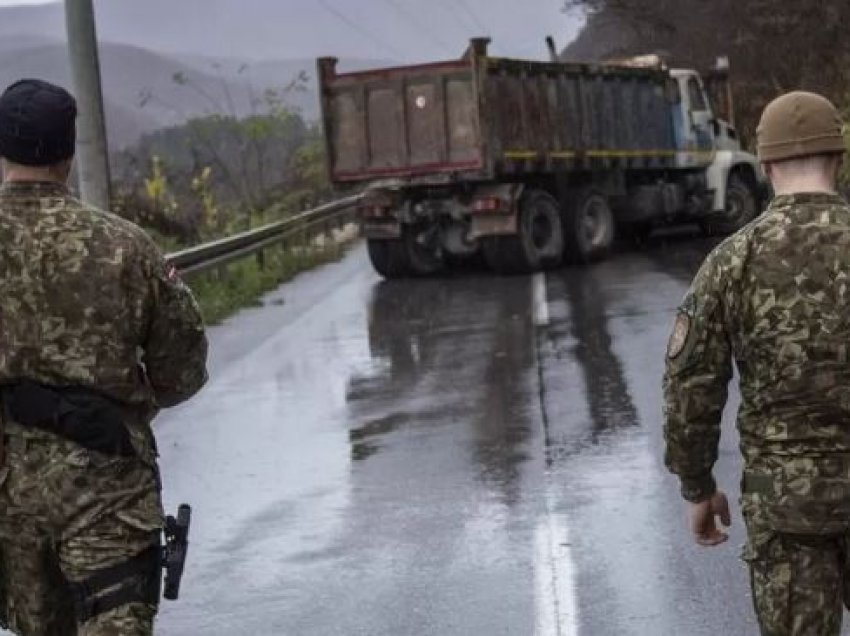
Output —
<point x="481" y="117"/>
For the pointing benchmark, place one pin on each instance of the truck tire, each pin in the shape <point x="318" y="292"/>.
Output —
<point x="404" y="257"/>
<point x="538" y="243"/>
<point x="388" y="257"/>
<point x="590" y="227"/>
<point x="741" y="208"/>
<point x="422" y="246"/>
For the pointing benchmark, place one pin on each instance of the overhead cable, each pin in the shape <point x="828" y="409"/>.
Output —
<point x="362" y="31"/>
<point x="417" y="24"/>
<point x="468" y="10"/>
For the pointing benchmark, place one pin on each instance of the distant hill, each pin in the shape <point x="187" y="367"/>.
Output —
<point x="249" y="29"/>
<point x="138" y="74"/>
<point x="145" y="43"/>
<point x="141" y="93"/>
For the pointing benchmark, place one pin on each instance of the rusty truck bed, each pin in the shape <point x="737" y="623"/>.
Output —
<point x="481" y="118"/>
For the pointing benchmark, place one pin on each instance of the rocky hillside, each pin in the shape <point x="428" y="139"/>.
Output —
<point x="774" y="46"/>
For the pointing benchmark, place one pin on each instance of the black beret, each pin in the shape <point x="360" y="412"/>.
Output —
<point x="37" y="123"/>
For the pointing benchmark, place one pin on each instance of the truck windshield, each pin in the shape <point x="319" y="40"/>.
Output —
<point x="696" y="96"/>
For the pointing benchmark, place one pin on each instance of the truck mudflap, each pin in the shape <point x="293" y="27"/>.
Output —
<point x="494" y="210"/>
<point x="376" y="213"/>
<point x="383" y="229"/>
<point x="480" y="227"/>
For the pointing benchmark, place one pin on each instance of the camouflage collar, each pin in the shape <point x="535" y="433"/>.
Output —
<point x="34" y="189"/>
<point x="804" y="198"/>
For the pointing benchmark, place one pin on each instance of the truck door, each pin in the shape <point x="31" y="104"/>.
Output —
<point x="700" y="137"/>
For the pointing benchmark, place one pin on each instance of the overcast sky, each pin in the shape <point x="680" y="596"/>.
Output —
<point x="403" y="30"/>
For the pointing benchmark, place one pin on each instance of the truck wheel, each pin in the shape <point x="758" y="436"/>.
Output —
<point x="589" y="226"/>
<point x="424" y="253"/>
<point x="389" y="258"/>
<point x="538" y="243"/>
<point x="411" y="255"/>
<point x="741" y="208"/>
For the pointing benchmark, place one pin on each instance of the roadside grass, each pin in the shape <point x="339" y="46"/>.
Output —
<point x="225" y="290"/>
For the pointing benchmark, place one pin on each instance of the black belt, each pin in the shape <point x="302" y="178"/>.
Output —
<point x="76" y="414"/>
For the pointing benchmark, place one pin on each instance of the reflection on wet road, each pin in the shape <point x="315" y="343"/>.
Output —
<point x="602" y="363"/>
<point x="393" y="458"/>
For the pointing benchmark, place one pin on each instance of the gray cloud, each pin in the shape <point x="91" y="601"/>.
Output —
<point x="404" y="30"/>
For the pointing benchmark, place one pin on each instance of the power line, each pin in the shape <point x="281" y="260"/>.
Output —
<point x="459" y="21"/>
<point x="471" y="14"/>
<point x="364" y="32"/>
<point x="412" y="19"/>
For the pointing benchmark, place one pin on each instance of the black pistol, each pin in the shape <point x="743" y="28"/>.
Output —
<point x="174" y="551"/>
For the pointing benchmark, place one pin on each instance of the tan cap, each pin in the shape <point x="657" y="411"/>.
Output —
<point x="799" y="124"/>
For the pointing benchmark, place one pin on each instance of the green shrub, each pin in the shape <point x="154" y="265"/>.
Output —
<point x="240" y="284"/>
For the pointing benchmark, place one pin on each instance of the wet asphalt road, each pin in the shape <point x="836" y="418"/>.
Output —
<point x="470" y="456"/>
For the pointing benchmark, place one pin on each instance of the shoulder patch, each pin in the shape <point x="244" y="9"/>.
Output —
<point x="173" y="277"/>
<point x="681" y="329"/>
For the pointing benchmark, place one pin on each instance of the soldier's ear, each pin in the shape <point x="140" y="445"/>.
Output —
<point x="767" y="168"/>
<point x="62" y="170"/>
<point x="839" y="164"/>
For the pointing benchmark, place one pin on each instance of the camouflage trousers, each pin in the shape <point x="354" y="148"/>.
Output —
<point x="68" y="514"/>
<point x="800" y="582"/>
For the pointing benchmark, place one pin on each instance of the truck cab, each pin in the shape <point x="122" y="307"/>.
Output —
<point x="706" y="149"/>
<point x="704" y="139"/>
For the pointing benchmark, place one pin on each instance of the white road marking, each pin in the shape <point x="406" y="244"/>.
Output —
<point x="554" y="568"/>
<point x="554" y="579"/>
<point x="541" y="303"/>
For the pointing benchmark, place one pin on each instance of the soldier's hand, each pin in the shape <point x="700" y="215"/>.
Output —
<point x="703" y="519"/>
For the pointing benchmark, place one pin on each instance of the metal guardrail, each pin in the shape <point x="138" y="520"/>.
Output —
<point x="307" y="224"/>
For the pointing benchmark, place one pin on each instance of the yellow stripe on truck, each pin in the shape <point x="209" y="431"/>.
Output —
<point x="522" y="155"/>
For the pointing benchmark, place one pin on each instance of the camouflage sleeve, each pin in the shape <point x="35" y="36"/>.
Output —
<point x="698" y="370"/>
<point x="175" y="350"/>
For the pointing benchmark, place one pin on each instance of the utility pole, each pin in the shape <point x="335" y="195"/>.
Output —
<point x="92" y="147"/>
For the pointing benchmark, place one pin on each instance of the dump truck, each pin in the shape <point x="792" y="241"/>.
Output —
<point x="531" y="163"/>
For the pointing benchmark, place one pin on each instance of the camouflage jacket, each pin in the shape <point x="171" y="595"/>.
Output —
<point x="87" y="300"/>
<point x="775" y="299"/>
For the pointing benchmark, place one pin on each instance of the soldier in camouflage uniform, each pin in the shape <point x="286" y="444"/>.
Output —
<point x="775" y="299"/>
<point x="97" y="333"/>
